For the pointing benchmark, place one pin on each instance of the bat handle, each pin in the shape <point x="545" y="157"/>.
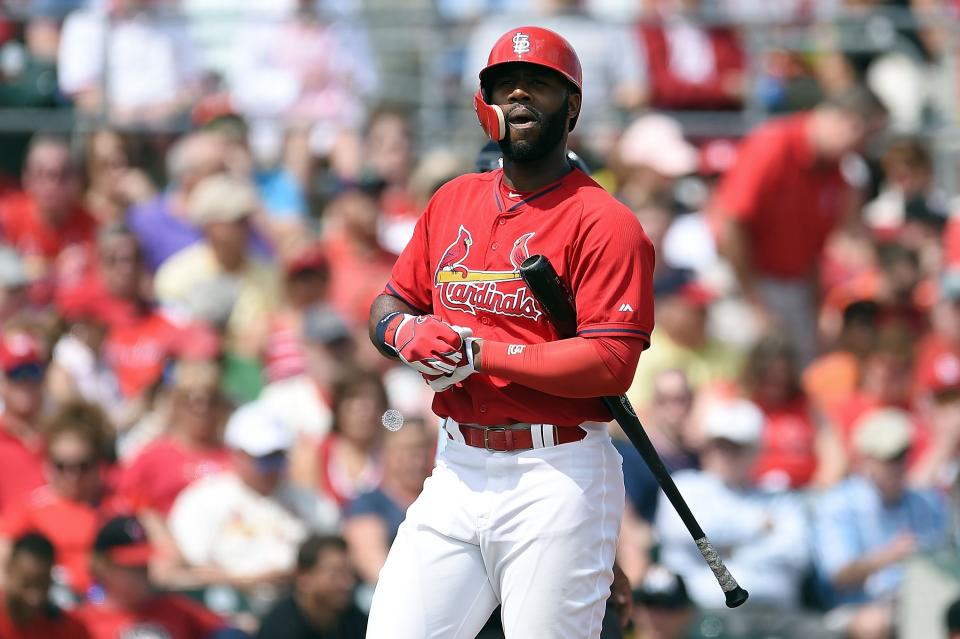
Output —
<point x="734" y="594"/>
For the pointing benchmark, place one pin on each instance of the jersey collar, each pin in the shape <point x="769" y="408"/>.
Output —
<point x="502" y="206"/>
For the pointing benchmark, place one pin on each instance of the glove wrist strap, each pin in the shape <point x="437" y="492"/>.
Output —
<point x="382" y="342"/>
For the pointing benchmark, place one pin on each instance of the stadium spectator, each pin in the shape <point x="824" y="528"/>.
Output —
<point x="938" y="352"/>
<point x="869" y="524"/>
<point x="113" y="185"/>
<point x="349" y="458"/>
<point x="669" y="425"/>
<point x="26" y="611"/>
<point x="372" y="519"/>
<point x="46" y="222"/>
<point x="163" y="225"/>
<point x="321" y="604"/>
<point x="692" y="66"/>
<point x="833" y="377"/>
<point x="316" y="73"/>
<point x="359" y="265"/>
<point x="69" y="510"/>
<point x="127" y="604"/>
<point x="798" y="447"/>
<point x="150" y="63"/>
<point x="765" y="545"/>
<point x="244" y="524"/>
<point x="219" y="280"/>
<point x="13" y="284"/>
<point x="21" y="435"/>
<point x="682" y="340"/>
<point x="652" y="154"/>
<point x="776" y="207"/>
<point x="662" y="608"/>
<point x="79" y="368"/>
<point x="191" y="446"/>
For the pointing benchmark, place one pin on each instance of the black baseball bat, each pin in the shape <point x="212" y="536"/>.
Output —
<point x="547" y="287"/>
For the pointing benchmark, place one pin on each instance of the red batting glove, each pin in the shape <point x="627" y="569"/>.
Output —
<point x="426" y="344"/>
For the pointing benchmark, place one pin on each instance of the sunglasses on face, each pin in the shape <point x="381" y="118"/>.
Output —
<point x="25" y="373"/>
<point x="77" y="467"/>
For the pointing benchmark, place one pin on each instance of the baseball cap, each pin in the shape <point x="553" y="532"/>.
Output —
<point x="323" y="325"/>
<point x="883" y="433"/>
<point x="257" y="431"/>
<point x="683" y="282"/>
<point x="662" y="588"/>
<point x="736" y="420"/>
<point x="657" y="141"/>
<point x="124" y="542"/>
<point x="222" y="198"/>
<point x="312" y="259"/>
<point x="20" y="350"/>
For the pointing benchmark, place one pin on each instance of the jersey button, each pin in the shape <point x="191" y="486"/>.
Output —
<point x="483" y="409"/>
<point x="494" y="246"/>
<point x="485" y="321"/>
<point x="502" y="222"/>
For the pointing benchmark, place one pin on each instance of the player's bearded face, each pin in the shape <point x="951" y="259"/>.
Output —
<point x="536" y="142"/>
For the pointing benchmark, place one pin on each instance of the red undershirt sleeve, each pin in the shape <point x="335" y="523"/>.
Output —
<point x="576" y="367"/>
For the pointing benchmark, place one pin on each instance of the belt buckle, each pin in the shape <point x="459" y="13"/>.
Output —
<point x="486" y="432"/>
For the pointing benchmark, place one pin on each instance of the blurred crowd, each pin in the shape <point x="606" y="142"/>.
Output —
<point x="190" y="436"/>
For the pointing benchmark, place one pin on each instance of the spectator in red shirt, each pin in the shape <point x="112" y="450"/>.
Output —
<point x="798" y="448"/>
<point x="70" y="508"/>
<point x="350" y="455"/>
<point x="26" y="611"/>
<point x="774" y="210"/>
<point x="128" y="605"/>
<point x="692" y="66"/>
<point x="359" y="265"/>
<point x="192" y="446"/>
<point x="46" y="218"/>
<point x="21" y="440"/>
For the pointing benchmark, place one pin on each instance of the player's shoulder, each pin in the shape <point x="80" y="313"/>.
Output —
<point x="468" y="182"/>
<point x="599" y="210"/>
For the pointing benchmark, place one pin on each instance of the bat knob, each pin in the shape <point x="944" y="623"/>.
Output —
<point x="737" y="597"/>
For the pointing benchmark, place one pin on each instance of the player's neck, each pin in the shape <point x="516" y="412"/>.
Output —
<point x="526" y="177"/>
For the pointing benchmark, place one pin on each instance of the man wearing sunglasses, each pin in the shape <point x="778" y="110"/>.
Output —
<point x="245" y="525"/>
<point x="21" y="393"/>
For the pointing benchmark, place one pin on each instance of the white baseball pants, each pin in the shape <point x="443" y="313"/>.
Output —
<point x="535" y="531"/>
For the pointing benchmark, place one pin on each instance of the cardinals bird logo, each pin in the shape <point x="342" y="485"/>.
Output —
<point x="466" y="289"/>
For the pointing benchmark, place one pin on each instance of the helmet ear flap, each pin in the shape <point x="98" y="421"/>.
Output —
<point x="490" y="116"/>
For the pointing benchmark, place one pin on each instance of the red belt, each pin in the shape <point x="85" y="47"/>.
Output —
<point x="507" y="439"/>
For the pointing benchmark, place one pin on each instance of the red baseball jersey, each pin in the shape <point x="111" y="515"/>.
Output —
<point x="462" y="265"/>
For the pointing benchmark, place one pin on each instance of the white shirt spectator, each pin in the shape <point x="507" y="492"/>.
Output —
<point x="148" y="61"/>
<point x="220" y="521"/>
<point x="762" y="537"/>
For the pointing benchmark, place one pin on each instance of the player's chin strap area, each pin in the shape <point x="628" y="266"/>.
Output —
<point x="491" y="118"/>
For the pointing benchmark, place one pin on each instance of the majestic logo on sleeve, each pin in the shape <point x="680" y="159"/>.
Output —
<point x="467" y="290"/>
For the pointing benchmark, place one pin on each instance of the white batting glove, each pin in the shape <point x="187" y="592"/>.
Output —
<point x="466" y="368"/>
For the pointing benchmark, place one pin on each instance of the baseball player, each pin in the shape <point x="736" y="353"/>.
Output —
<point x="523" y="508"/>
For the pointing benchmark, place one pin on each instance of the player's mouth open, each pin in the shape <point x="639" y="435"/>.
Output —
<point x="522" y="119"/>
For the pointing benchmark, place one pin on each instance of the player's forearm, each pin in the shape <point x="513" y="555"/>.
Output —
<point x="383" y="306"/>
<point x="565" y="368"/>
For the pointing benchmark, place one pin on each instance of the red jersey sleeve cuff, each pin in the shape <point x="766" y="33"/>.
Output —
<point x="392" y="289"/>
<point x="615" y="330"/>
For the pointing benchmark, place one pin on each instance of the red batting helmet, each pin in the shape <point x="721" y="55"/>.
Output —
<point x="533" y="45"/>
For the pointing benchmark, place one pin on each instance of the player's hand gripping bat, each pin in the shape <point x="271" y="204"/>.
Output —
<point x="549" y="290"/>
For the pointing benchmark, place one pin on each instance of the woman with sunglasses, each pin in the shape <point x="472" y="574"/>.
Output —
<point x="70" y="508"/>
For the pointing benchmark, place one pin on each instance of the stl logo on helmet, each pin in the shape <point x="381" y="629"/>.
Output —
<point x="468" y="290"/>
<point x="521" y="43"/>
